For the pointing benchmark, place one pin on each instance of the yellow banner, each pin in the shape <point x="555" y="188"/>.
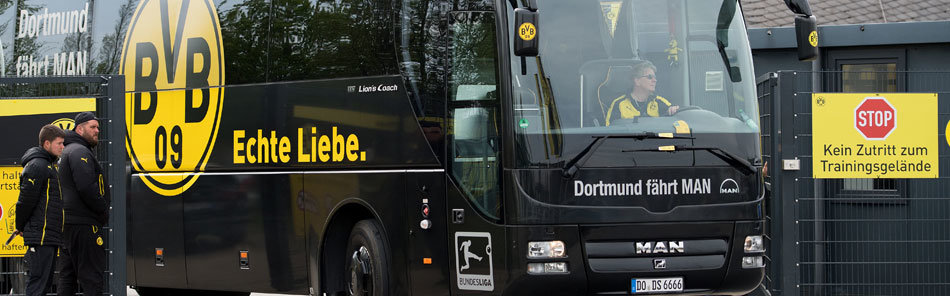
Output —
<point x="891" y="135"/>
<point x="9" y="192"/>
<point x="46" y="106"/>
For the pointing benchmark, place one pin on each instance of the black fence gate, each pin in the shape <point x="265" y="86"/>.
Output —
<point x="108" y="93"/>
<point x="850" y="236"/>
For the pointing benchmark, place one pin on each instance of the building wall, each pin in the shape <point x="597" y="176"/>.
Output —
<point x="918" y="57"/>
<point x="774" y="49"/>
<point x="771" y="60"/>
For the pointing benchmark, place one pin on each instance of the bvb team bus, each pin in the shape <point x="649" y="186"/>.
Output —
<point x="439" y="147"/>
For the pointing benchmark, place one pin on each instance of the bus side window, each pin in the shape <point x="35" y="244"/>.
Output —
<point x="473" y="110"/>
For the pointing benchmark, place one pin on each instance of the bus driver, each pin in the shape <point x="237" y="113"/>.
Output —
<point x="643" y="100"/>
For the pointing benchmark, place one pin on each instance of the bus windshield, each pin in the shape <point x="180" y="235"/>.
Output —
<point x="621" y="67"/>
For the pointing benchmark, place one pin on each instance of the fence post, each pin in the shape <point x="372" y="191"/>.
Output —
<point x="115" y="96"/>
<point x="784" y="182"/>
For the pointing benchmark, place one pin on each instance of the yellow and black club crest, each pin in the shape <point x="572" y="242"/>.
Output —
<point x="65" y="123"/>
<point x="173" y="60"/>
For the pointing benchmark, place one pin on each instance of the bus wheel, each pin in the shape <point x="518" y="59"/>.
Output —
<point x="367" y="266"/>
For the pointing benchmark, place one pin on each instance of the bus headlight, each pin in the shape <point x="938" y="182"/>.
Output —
<point x="547" y="268"/>
<point x="545" y="250"/>
<point x="753" y="262"/>
<point x="754" y="244"/>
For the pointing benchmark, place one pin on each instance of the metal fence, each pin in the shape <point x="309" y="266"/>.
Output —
<point x="108" y="92"/>
<point x="850" y="236"/>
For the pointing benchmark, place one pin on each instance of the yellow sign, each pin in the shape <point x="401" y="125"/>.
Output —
<point x="527" y="31"/>
<point x="813" y="38"/>
<point x="174" y="62"/>
<point x="874" y="135"/>
<point x="9" y="192"/>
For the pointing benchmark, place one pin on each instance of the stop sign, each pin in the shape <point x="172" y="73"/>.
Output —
<point x="875" y="118"/>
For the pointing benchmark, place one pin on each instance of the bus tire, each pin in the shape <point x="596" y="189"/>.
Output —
<point x="367" y="262"/>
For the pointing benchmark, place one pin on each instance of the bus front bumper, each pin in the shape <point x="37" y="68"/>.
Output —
<point x="703" y="257"/>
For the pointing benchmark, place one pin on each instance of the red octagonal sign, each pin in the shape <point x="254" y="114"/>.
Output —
<point x="875" y="118"/>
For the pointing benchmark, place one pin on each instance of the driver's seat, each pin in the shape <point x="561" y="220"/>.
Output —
<point x="603" y="82"/>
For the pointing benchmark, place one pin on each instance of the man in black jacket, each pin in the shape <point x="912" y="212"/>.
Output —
<point x="87" y="209"/>
<point x="39" y="208"/>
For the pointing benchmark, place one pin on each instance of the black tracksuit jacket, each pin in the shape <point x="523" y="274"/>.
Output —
<point x="85" y="192"/>
<point x="39" y="208"/>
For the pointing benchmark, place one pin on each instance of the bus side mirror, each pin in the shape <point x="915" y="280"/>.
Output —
<point x="799" y="6"/>
<point x="806" y="32"/>
<point x="526" y="32"/>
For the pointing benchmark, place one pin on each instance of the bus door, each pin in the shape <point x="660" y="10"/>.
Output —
<point x="473" y="195"/>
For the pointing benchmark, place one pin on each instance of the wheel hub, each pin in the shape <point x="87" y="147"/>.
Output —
<point x="361" y="272"/>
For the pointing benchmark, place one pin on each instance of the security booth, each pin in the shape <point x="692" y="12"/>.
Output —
<point x="27" y="104"/>
<point x="858" y="199"/>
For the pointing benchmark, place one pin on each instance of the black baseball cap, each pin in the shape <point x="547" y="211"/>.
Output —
<point x="83" y="117"/>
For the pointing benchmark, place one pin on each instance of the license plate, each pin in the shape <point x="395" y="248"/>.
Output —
<point x="660" y="285"/>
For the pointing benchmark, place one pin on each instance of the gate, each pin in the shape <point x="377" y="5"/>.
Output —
<point x="850" y="236"/>
<point x="108" y="95"/>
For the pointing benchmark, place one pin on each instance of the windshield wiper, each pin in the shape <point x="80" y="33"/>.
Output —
<point x="553" y="141"/>
<point x="735" y="161"/>
<point x="570" y="168"/>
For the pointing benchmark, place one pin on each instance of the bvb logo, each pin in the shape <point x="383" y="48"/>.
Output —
<point x="527" y="31"/>
<point x="65" y="123"/>
<point x="174" y="62"/>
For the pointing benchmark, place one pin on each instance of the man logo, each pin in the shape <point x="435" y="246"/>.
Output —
<point x="663" y="247"/>
<point x="174" y="61"/>
<point x="65" y="123"/>
<point x="659" y="263"/>
<point x="729" y="186"/>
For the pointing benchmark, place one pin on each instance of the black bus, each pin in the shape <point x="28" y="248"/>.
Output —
<point x="396" y="147"/>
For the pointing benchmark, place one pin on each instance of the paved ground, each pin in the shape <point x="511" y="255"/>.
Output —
<point x="131" y="292"/>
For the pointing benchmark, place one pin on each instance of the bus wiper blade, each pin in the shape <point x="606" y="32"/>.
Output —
<point x="652" y="135"/>
<point x="570" y="168"/>
<point x="735" y="161"/>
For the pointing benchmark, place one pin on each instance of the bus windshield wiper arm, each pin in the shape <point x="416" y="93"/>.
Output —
<point x="570" y="168"/>
<point x="735" y="161"/>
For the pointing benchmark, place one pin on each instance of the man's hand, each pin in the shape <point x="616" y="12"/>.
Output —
<point x="672" y="110"/>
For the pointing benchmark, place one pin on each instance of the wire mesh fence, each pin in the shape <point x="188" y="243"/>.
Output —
<point x="53" y="87"/>
<point x="12" y="276"/>
<point x="108" y="94"/>
<point x="766" y="92"/>
<point x="854" y="236"/>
